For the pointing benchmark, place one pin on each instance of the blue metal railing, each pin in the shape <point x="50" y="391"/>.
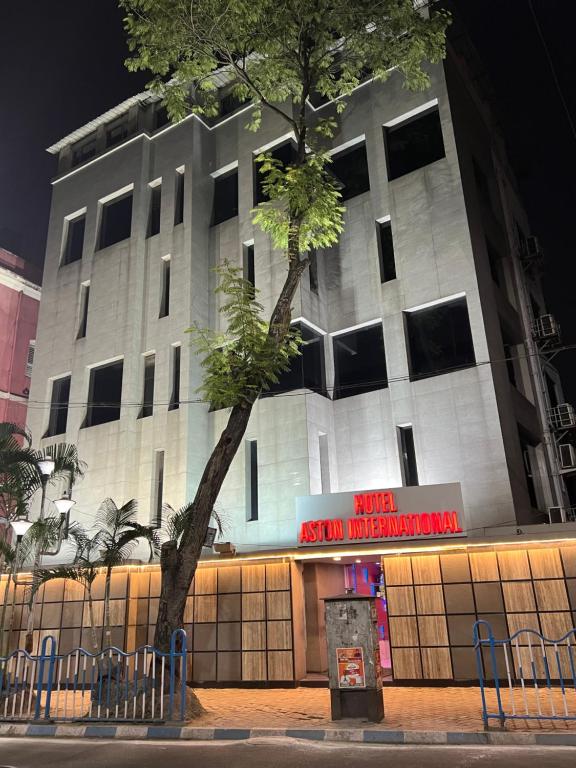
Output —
<point x="145" y="685"/>
<point x="526" y="676"/>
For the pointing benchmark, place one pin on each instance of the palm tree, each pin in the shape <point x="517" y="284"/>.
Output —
<point x="118" y="536"/>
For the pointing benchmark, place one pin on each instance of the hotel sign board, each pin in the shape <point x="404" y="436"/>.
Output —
<point x="390" y="514"/>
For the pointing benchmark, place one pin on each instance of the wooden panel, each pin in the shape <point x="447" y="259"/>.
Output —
<point x="278" y="605"/>
<point x="153" y="610"/>
<point x="426" y="569"/>
<point x="189" y="611"/>
<point x="254" y="635"/>
<point x="54" y="591"/>
<point x="514" y="565"/>
<point x="98" y="614"/>
<point x="433" y="630"/>
<point x="98" y="587"/>
<point x="517" y="621"/>
<point x="205" y="581"/>
<point x="280" y="665"/>
<point x="406" y="664"/>
<point x="73" y="591"/>
<point x="403" y="631"/>
<point x="142" y="610"/>
<point x="72" y="614"/>
<point x="254" y="666"/>
<point x="155" y="579"/>
<point x="455" y="568"/>
<point x="429" y="599"/>
<point x="436" y="664"/>
<point x="51" y="615"/>
<point x="569" y="560"/>
<point x="484" y="566"/>
<point x="205" y="608"/>
<point x="556" y="625"/>
<point x="277" y="576"/>
<point x="253" y="578"/>
<point x="119" y="584"/>
<point x="229" y="579"/>
<point x="397" y="570"/>
<point x="551" y="595"/>
<point x="518" y="596"/>
<point x="400" y="601"/>
<point x="253" y="606"/>
<point x="279" y="635"/>
<point x="545" y="564"/>
<point x="117" y="613"/>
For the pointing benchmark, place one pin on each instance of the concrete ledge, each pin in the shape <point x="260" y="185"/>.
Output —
<point x="357" y="735"/>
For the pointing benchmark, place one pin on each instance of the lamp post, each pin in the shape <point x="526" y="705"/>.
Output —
<point x="46" y="468"/>
<point x="20" y="528"/>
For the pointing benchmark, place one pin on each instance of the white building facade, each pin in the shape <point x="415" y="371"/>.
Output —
<point x="417" y="368"/>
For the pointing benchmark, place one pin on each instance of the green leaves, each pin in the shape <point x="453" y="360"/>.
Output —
<point x="244" y="360"/>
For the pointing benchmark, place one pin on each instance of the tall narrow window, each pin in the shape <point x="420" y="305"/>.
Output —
<point x="179" y="197"/>
<point x="157" y="489"/>
<point x="30" y="357"/>
<point x="154" y="210"/>
<point x="148" y="394"/>
<point x="83" y="314"/>
<point x="386" y="252"/>
<point x="351" y="169"/>
<point x="408" y="456"/>
<point x="74" y="239"/>
<point x="248" y="263"/>
<point x="175" y="391"/>
<point x="313" y="270"/>
<point x="482" y="184"/>
<point x="529" y="462"/>
<point x="324" y="462"/>
<point x="104" y="394"/>
<point x="251" y="480"/>
<point x="165" y="288"/>
<point x="116" y="221"/>
<point x="59" y="407"/>
<point x="225" y="204"/>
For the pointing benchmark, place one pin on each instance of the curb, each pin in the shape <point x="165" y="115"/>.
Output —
<point x="357" y="735"/>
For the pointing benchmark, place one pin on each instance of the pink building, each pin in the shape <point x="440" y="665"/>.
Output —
<point x="19" y="302"/>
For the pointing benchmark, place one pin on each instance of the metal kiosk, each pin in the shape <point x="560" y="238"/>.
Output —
<point x="355" y="675"/>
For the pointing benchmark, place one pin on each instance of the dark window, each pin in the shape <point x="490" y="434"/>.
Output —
<point x="179" y="199"/>
<point x="439" y="339"/>
<point x="351" y="169"/>
<point x="359" y="362"/>
<point x="307" y="370"/>
<point x="74" y="240"/>
<point x="252" y="480"/>
<point x="495" y="263"/>
<point x="84" y="299"/>
<point x="175" y="395"/>
<point x="552" y="390"/>
<point x="286" y="154"/>
<point x="118" y="131"/>
<point x="522" y="242"/>
<point x="116" y="222"/>
<point x="386" y="252"/>
<point x="481" y="181"/>
<point x="414" y="144"/>
<point x="408" y="456"/>
<point x="529" y="462"/>
<point x="84" y="150"/>
<point x="59" y="407"/>
<point x="158" y="490"/>
<point x="104" y="394"/>
<point x="148" y="394"/>
<point x="160" y="117"/>
<point x="230" y="103"/>
<point x="248" y="266"/>
<point x="225" y="197"/>
<point x="535" y="307"/>
<point x="154" y="210"/>
<point x="313" y="270"/>
<point x="509" y="355"/>
<point x="165" y="294"/>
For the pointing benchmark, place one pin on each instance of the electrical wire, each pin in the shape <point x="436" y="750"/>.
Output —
<point x="41" y="404"/>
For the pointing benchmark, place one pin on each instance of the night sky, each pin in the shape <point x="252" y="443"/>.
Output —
<point x="61" y="65"/>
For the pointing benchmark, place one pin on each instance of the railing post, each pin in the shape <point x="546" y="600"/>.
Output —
<point x="40" y="676"/>
<point x="501" y="714"/>
<point x="174" y="654"/>
<point x="480" y="667"/>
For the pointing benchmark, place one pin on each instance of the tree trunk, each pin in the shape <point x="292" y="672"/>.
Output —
<point x="5" y="642"/>
<point x="107" y="632"/>
<point x="93" y="635"/>
<point x="178" y="563"/>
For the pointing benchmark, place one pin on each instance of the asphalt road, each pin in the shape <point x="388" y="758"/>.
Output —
<point x="268" y="753"/>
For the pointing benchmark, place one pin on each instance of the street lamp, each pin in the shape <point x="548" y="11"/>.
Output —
<point x="20" y="528"/>
<point x="46" y="467"/>
<point x="64" y="505"/>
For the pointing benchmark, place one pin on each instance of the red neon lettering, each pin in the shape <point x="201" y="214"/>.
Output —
<point x="388" y="502"/>
<point x="437" y="526"/>
<point x="393" y="526"/>
<point x="455" y="524"/>
<point x="374" y="528"/>
<point x="425" y="524"/>
<point x="359" y="504"/>
<point x="403" y="525"/>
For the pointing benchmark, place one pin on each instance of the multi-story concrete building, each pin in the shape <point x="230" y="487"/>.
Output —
<point x="420" y="366"/>
<point x="19" y="302"/>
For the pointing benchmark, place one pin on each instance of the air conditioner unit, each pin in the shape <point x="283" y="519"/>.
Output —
<point x="555" y="515"/>
<point x="545" y="328"/>
<point x="562" y="416"/>
<point x="567" y="456"/>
